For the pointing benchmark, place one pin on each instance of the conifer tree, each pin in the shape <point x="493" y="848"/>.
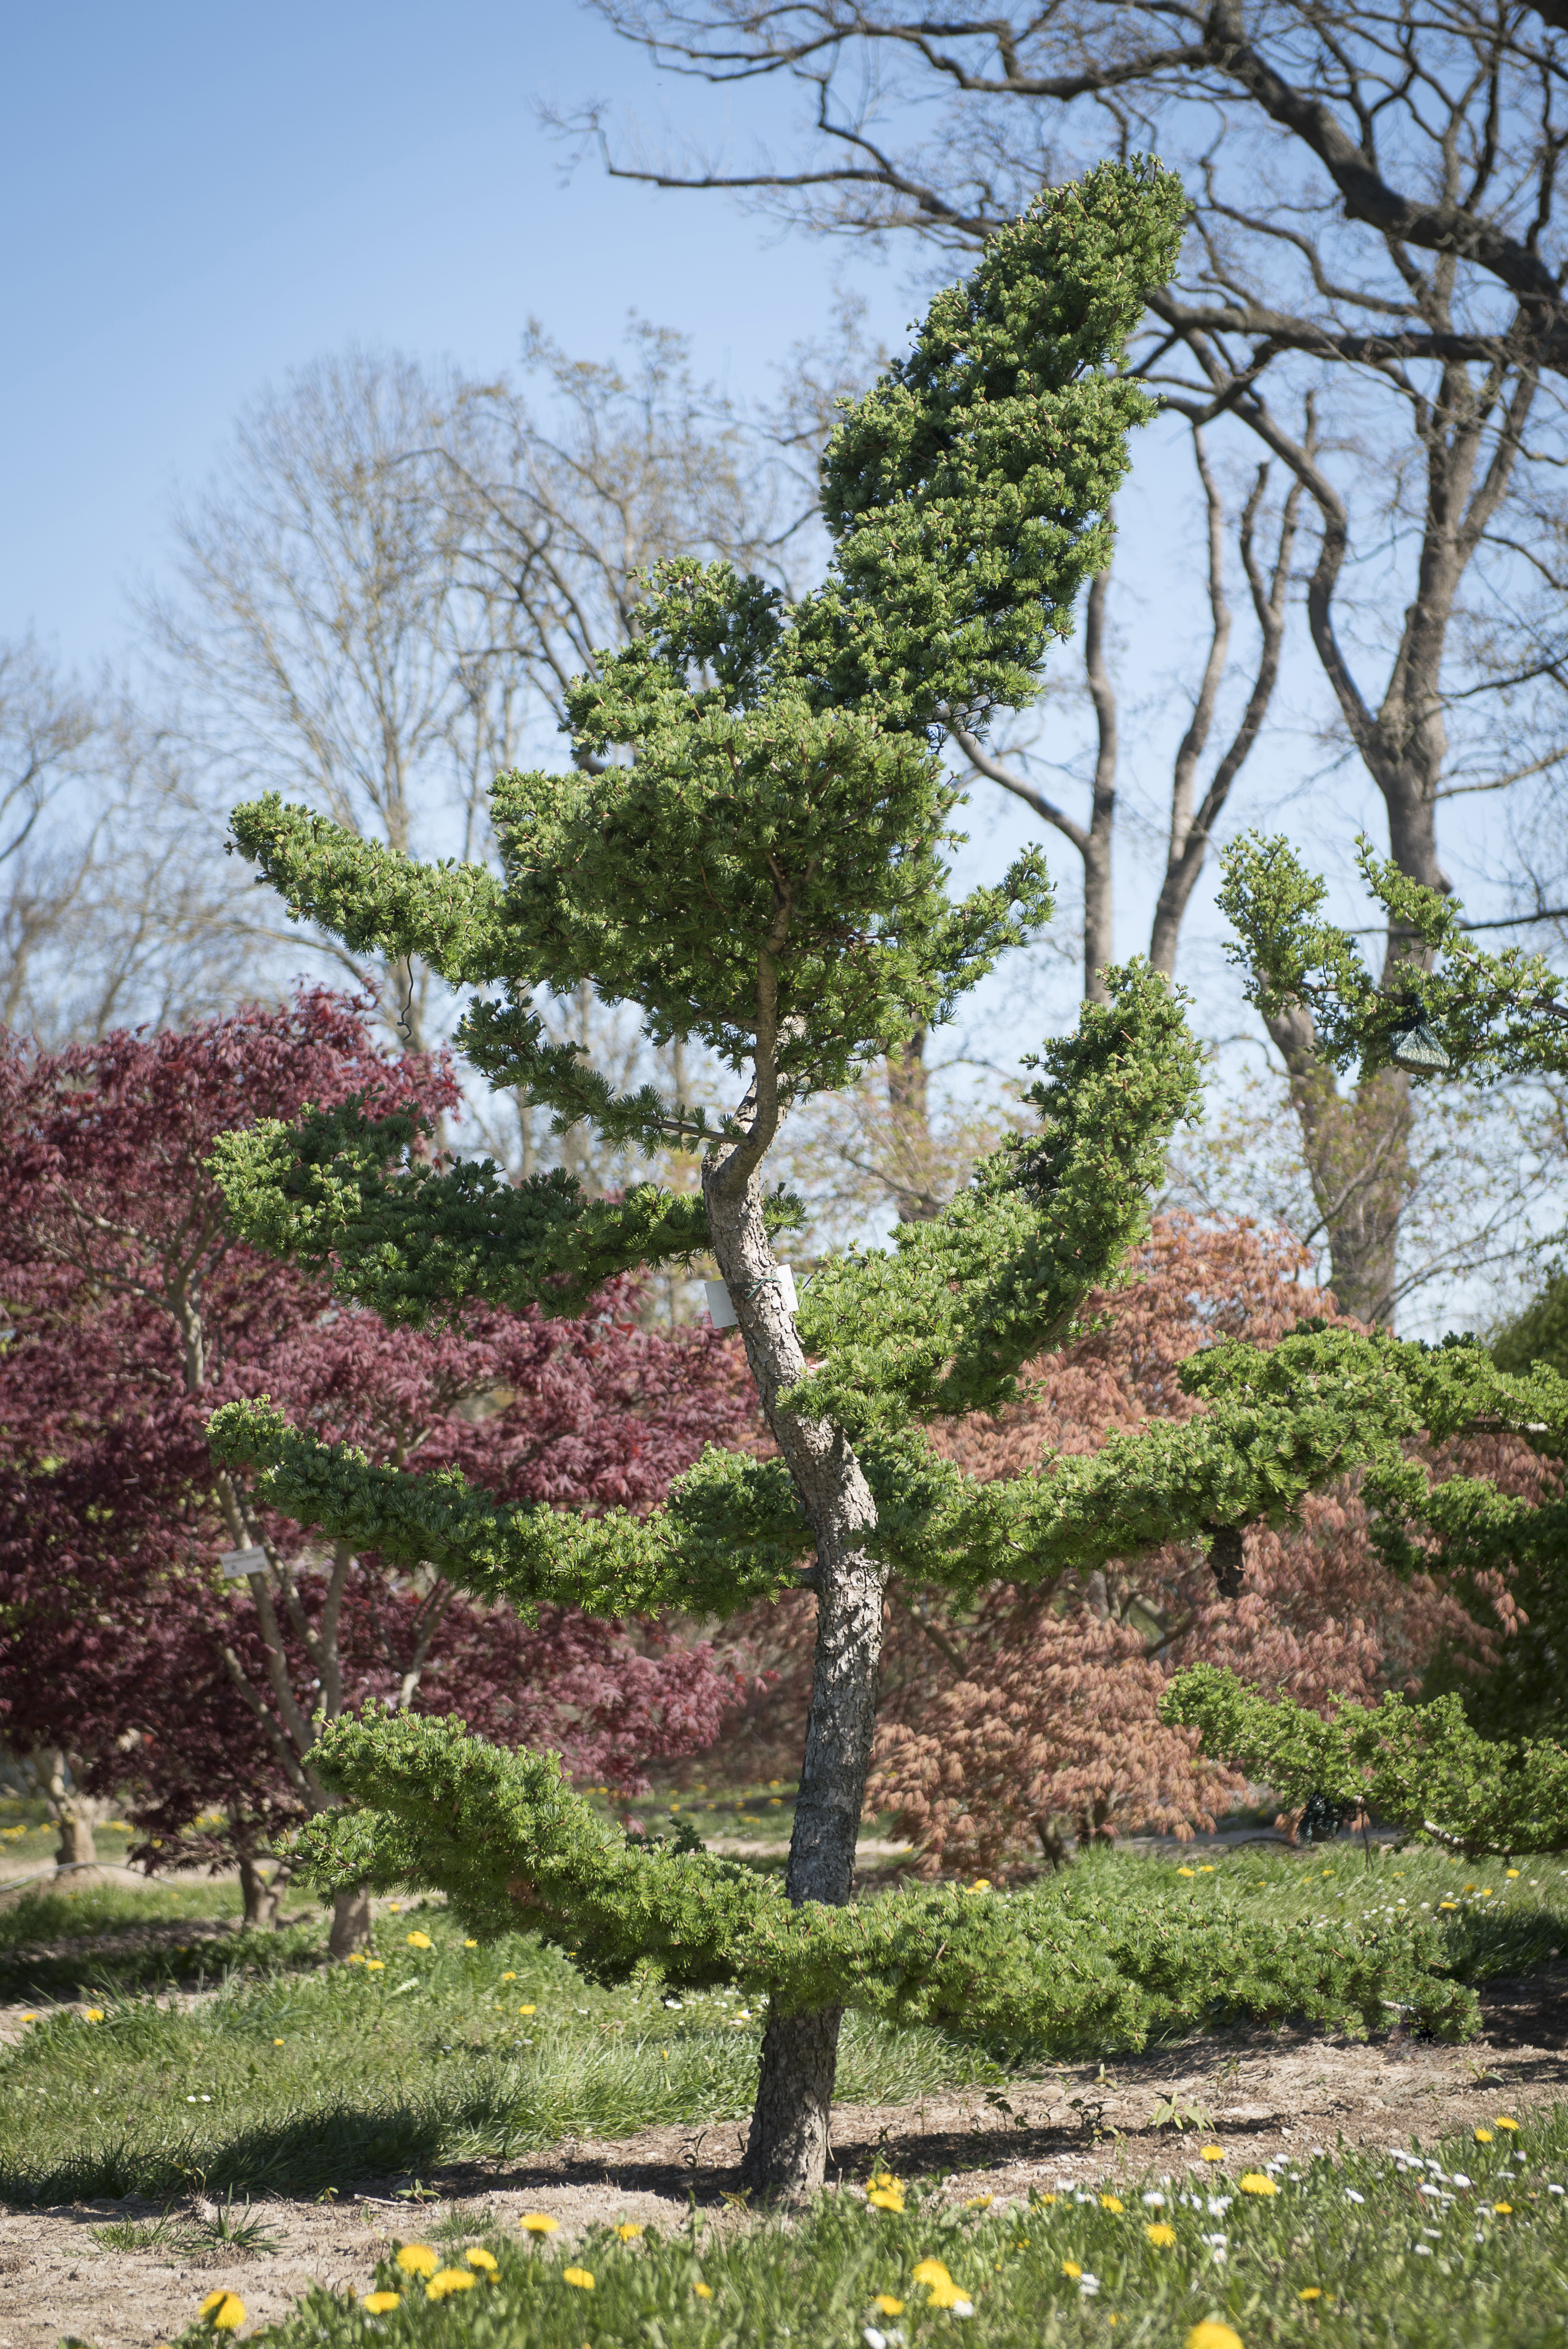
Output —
<point x="750" y="847"/>
<point x="1452" y="1010"/>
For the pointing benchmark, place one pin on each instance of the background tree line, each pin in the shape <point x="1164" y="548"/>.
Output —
<point x="381" y="595"/>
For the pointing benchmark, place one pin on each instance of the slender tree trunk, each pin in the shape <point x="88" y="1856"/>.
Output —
<point x="1357" y="1152"/>
<point x="261" y="1897"/>
<point x="1098" y="896"/>
<point x="787" y="2146"/>
<point x="350" y="1922"/>
<point x="58" y="1776"/>
<point x="908" y="1094"/>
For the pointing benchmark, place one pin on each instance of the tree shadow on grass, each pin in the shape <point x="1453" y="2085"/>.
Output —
<point x="341" y="2145"/>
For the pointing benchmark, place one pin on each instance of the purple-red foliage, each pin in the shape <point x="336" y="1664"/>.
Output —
<point x="134" y="1311"/>
<point x="1016" y="1726"/>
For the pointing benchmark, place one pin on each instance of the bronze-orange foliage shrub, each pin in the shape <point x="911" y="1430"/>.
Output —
<point x="1020" y="1725"/>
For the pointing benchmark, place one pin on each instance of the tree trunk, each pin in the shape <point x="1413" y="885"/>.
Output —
<point x="1357" y="1154"/>
<point x="908" y="1095"/>
<point x="76" y="1846"/>
<point x="261" y="1897"/>
<point x="787" y="2146"/>
<point x="350" y="1922"/>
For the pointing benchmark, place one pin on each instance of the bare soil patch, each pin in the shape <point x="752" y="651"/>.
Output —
<point x="1284" y="2093"/>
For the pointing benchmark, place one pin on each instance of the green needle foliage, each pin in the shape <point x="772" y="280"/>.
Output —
<point x="1421" y="1767"/>
<point x="1495" y="1015"/>
<point x="509" y="1843"/>
<point x="751" y="847"/>
<point x="769" y="862"/>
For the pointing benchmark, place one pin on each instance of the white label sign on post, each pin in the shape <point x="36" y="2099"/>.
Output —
<point x="234" y="1565"/>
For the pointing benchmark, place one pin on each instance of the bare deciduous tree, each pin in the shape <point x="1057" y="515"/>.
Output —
<point x="1374" y="221"/>
<point x="394" y="575"/>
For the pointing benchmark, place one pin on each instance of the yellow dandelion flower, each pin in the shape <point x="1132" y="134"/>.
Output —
<point x="981" y="1884"/>
<point x="382" y="2303"/>
<point x="702" y="2291"/>
<point x="510" y="1976"/>
<point x="1211" y="2152"/>
<point x="375" y="1965"/>
<point x="1212" y="2335"/>
<point x="1186" y="1871"/>
<point x="477" y="2257"/>
<point x="1504" y="2209"/>
<point x="538" y="2222"/>
<point x="578" y="2277"/>
<point x="1071" y="2268"/>
<point x="1160" y="2235"/>
<point x="932" y="2272"/>
<point x="628" y="2230"/>
<point x="1044" y="2201"/>
<point x="1502" y="2123"/>
<point x="393" y="1906"/>
<point x="446" y="2280"/>
<point x="979" y="2201"/>
<point x="1109" y="2203"/>
<point x="30" y="2018"/>
<point x="470" y="1945"/>
<point x="1484" y="2136"/>
<point x="1310" y="2292"/>
<point x="947" y="2296"/>
<point x="417" y="1941"/>
<point x="418" y="2259"/>
<point x="1447" y="1904"/>
<point x="356" y="1958"/>
<point x="527" y="2010"/>
<point x="882" y="2178"/>
<point x="223" y="2310"/>
<point x="1206" y="1870"/>
<point x="886" y="2305"/>
<point x="277" y="2043"/>
<point x="1254" y="2182"/>
<point x="1510" y="1871"/>
<point x="93" y="2014"/>
<point x="886" y="2197"/>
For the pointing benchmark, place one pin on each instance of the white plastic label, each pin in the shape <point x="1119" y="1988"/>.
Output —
<point x="235" y="1563"/>
<point x="721" y="1308"/>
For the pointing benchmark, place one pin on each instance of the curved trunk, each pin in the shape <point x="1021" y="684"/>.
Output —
<point x="787" y="2146"/>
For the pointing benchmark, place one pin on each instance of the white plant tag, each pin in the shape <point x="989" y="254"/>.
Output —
<point x="721" y="1309"/>
<point x="235" y="1563"/>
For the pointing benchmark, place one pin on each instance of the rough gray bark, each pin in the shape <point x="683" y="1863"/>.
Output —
<point x="1357" y="1148"/>
<point x="787" y="2145"/>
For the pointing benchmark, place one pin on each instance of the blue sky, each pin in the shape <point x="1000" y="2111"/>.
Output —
<point x="195" y="199"/>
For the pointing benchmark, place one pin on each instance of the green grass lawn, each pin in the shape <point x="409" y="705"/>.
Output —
<point x="1466" y="2249"/>
<point x="285" y="2075"/>
<point x="273" y="2071"/>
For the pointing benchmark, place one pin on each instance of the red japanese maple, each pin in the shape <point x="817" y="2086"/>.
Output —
<point x="133" y="1310"/>
<point x="1014" y="1728"/>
